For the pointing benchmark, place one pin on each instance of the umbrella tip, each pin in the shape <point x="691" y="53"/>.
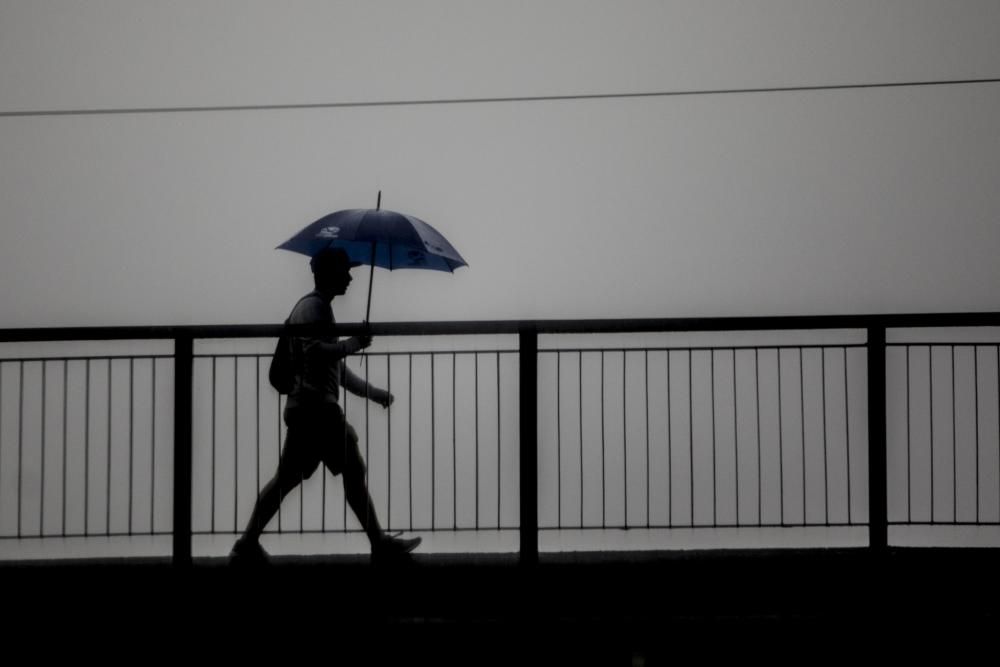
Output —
<point x="378" y="204"/>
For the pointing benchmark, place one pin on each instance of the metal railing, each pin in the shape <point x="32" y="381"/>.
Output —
<point x="948" y="432"/>
<point x="780" y="415"/>
<point x="539" y="434"/>
<point x="433" y="463"/>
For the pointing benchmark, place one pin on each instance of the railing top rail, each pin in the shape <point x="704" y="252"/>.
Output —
<point x="493" y="327"/>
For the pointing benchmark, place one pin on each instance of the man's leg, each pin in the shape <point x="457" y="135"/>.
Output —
<point x="292" y="469"/>
<point x="356" y="489"/>
<point x="356" y="492"/>
<point x="269" y="501"/>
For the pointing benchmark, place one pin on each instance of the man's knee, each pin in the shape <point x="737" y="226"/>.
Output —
<point x="291" y="474"/>
<point x="351" y="437"/>
<point x="354" y="465"/>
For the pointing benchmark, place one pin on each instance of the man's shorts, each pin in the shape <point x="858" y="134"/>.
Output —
<point x="319" y="433"/>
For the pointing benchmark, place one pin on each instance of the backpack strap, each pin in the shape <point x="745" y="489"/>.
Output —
<point x="311" y="294"/>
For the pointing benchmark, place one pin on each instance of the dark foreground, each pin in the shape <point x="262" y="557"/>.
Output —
<point x="610" y="608"/>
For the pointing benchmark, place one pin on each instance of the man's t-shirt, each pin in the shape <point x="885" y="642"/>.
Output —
<point x="317" y="373"/>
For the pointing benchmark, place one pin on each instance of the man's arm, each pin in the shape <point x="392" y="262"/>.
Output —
<point x="335" y="352"/>
<point x="360" y="387"/>
<point x="317" y="351"/>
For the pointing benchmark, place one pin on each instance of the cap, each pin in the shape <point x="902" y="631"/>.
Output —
<point x="331" y="258"/>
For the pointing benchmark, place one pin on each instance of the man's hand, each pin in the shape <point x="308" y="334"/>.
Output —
<point x="381" y="396"/>
<point x="362" y="341"/>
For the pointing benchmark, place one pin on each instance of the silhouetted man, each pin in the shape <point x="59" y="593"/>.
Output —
<point x="317" y="431"/>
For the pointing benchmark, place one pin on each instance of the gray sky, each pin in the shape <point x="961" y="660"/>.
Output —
<point x="784" y="203"/>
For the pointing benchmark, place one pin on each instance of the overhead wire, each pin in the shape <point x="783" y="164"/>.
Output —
<point x="105" y="111"/>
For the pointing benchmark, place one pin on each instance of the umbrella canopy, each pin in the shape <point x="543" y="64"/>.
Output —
<point x="378" y="237"/>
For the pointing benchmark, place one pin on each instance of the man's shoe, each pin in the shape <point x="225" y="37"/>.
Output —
<point x="248" y="552"/>
<point x="393" y="546"/>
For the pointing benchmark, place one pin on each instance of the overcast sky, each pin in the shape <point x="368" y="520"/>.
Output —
<point x="839" y="201"/>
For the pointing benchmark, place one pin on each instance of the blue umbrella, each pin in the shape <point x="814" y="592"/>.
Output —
<point x="379" y="238"/>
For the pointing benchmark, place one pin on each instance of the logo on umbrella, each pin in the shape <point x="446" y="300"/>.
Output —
<point x="328" y="233"/>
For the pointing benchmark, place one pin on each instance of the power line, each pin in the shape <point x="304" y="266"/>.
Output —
<point x="482" y="100"/>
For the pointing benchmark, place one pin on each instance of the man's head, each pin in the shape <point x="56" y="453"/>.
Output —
<point x="332" y="271"/>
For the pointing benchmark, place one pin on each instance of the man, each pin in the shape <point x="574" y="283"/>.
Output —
<point x="317" y="431"/>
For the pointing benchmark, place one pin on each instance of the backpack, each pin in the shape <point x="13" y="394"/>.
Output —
<point x="280" y="374"/>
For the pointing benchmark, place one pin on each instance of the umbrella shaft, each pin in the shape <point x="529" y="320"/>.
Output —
<point x="371" y="279"/>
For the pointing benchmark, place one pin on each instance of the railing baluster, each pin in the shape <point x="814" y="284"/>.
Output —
<point x="65" y="412"/>
<point x="41" y="487"/>
<point x="256" y="487"/>
<point x="975" y="381"/>
<point x="476" y="399"/>
<point x="20" y="440"/>
<point x="715" y="472"/>
<point x="388" y="445"/>
<point x="930" y="412"/>
<point x="1" y="437"/>
<point x="368" y="439"/>
<point x="107" y="506"/>
<point x="645" y="379"/>
<point x="877" y="459"/>
<point x="670" y="453"/>
<point x="604" y="495"/>
<point x="86" y="451"/>
<point x="409" y="436"/>
<point x="736" y="443"/>
<point x="131" y="436"/>
<point x="433" y="447"/>
<point x="322" y="472"/>
<point x="236" y="443"/>
<point x="826" y="474"/>
<point x="302" y="495"/>
<point x="909" y="457"/>
<point x="183" y="381"/>
<point x="277" y="443"/>
<point x="152" y="450"/>
<point x="781" y="447"/>
<point x="343" y="391"/>
<point x="691" y="428"/>
<point x="579" y="395"/>
<point x="558" y="439"/>
<point x="756" y="399"/>
<point x="624" y="439"/>
<point x="211" y="506"/>
<point x="499" y="442"/>
<point x="528" y="376"/>
<point x="802" y="419"/>
<point x="954" y="444"/>
<point x="847" y="439"/>
<point x="454" y="449"/>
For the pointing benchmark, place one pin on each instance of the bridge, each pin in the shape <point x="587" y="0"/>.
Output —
<point x="634" y="480"/>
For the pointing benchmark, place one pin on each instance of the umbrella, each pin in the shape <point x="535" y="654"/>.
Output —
<point x="378" y="237"/>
